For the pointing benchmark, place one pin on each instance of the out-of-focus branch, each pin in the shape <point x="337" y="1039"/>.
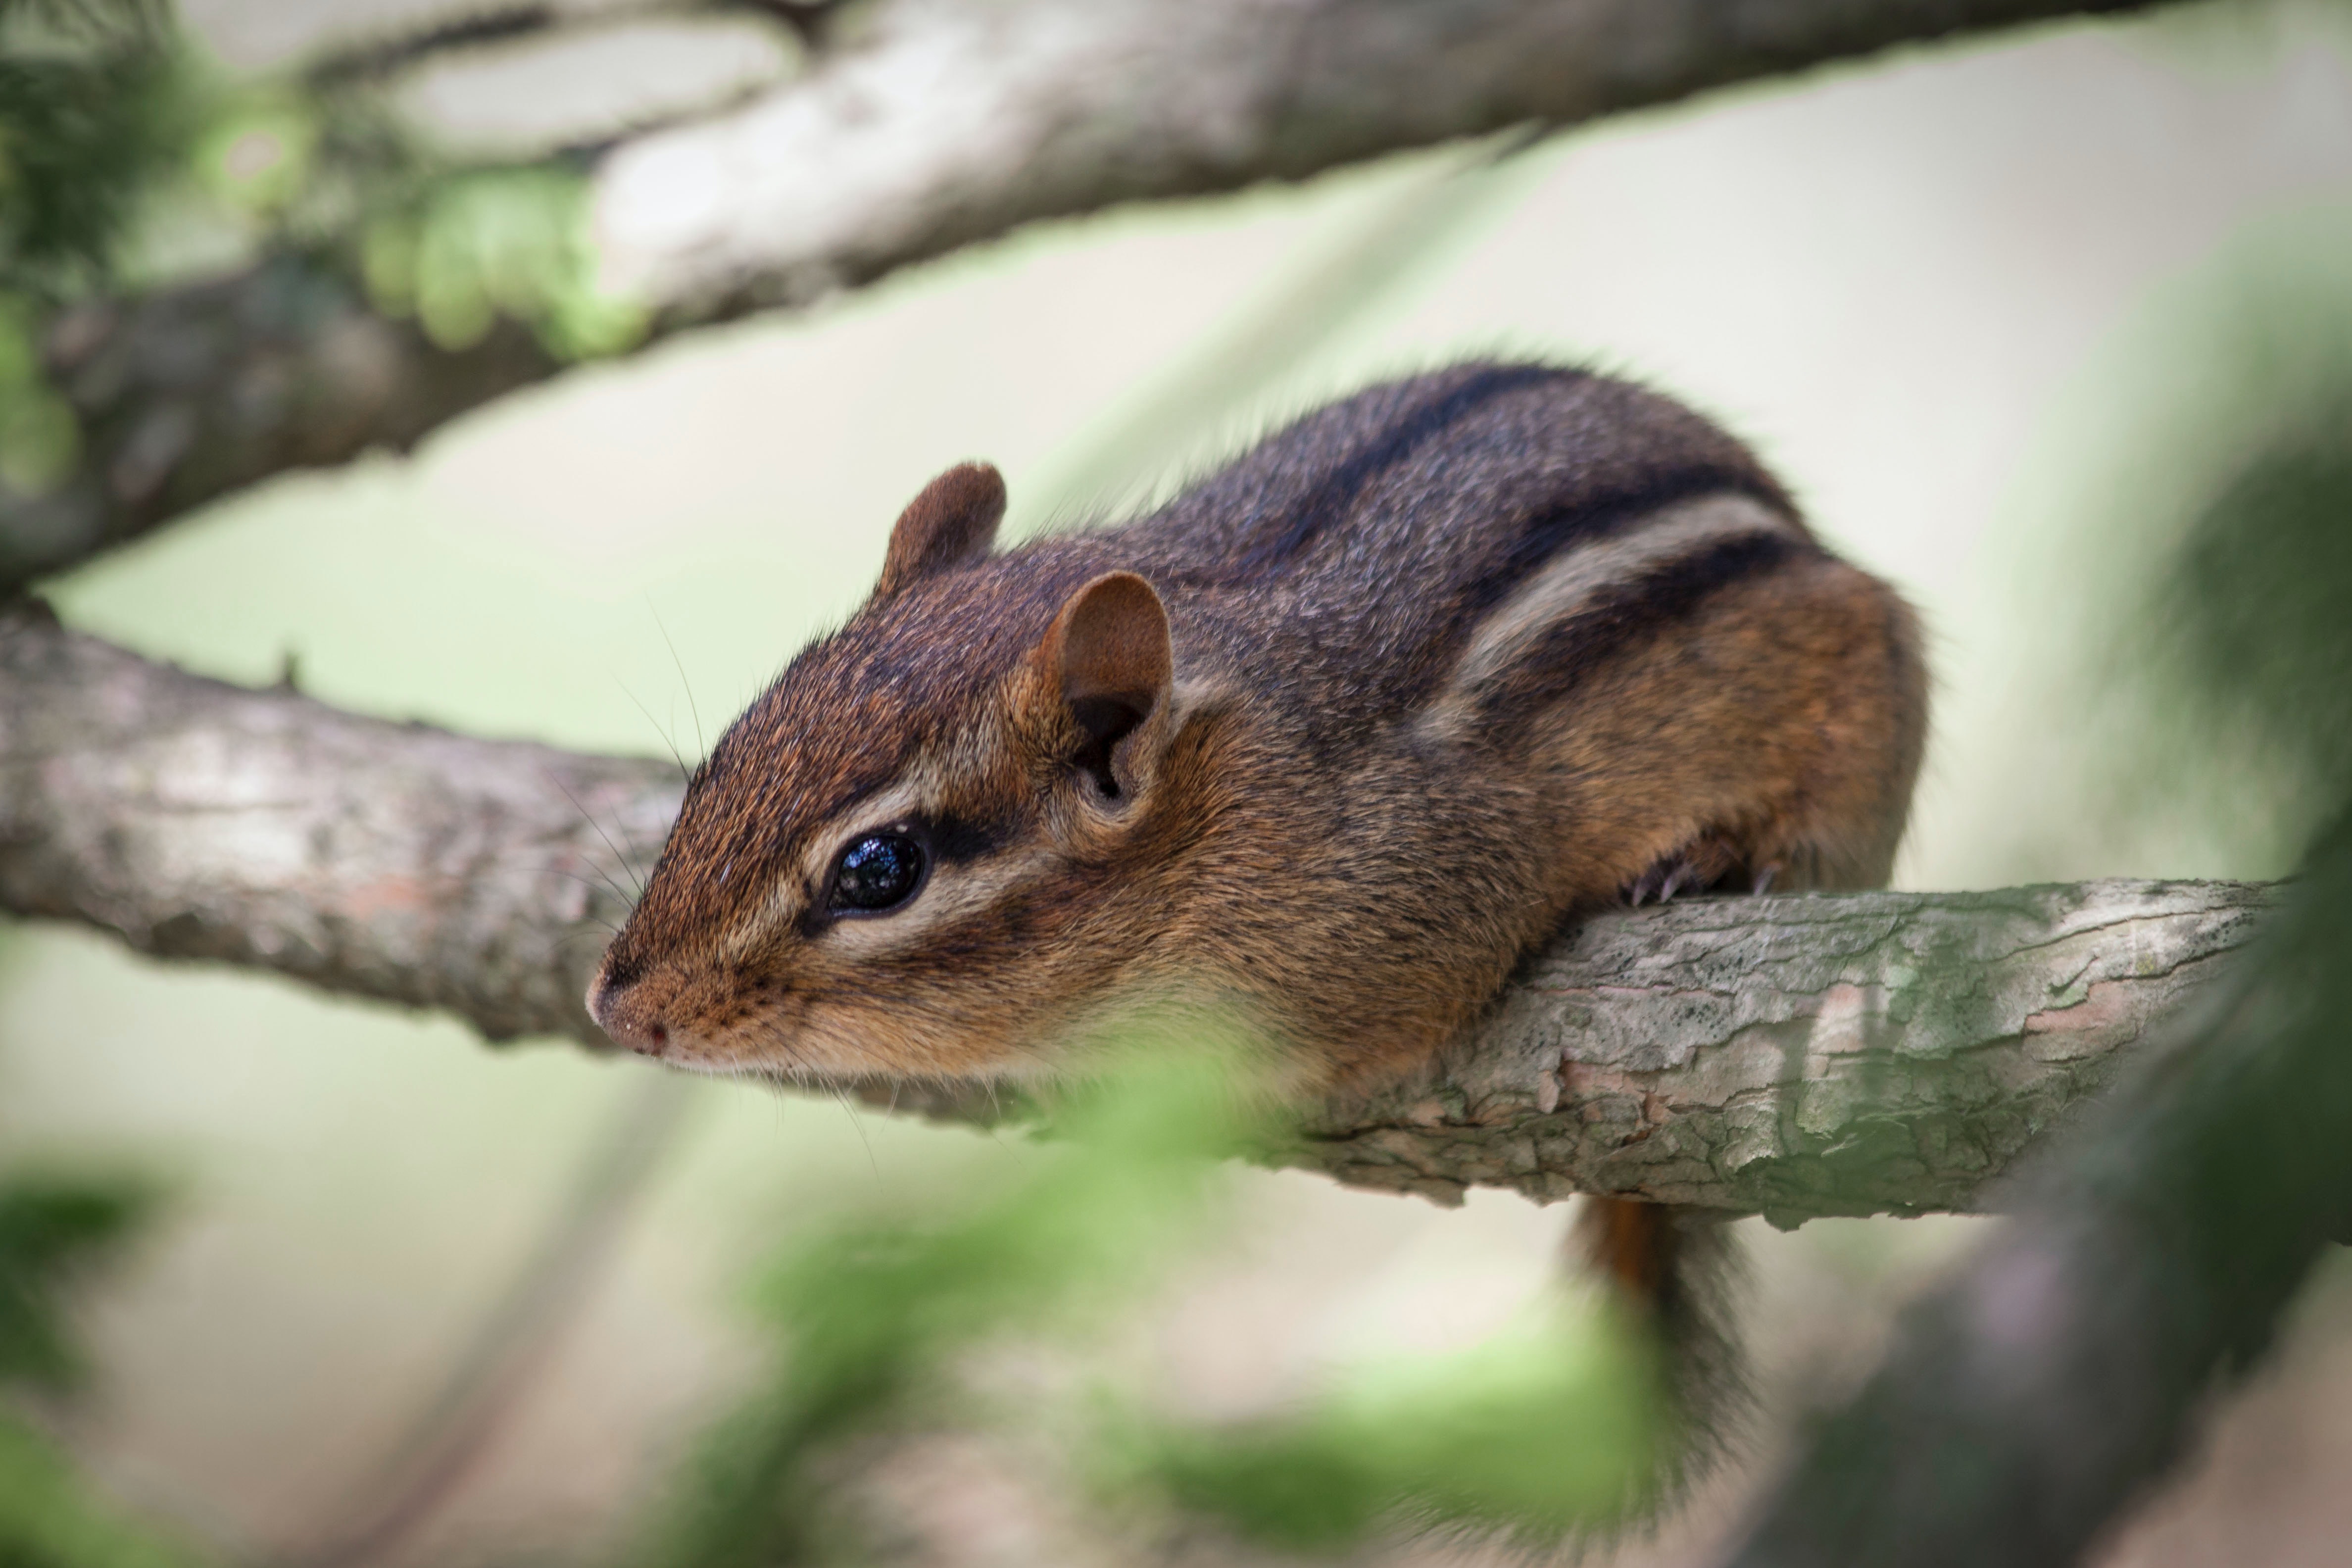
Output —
<point x="186" y="395"/>
<point x="952" y="122"/>
<point x="2032" y="1398"/>
<point x="937" y="123"/>
<point x="1797" y="1056"/>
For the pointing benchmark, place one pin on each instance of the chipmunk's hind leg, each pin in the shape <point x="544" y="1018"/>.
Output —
<point x="1857" y="698"/>
<point x="1793" y="712"/>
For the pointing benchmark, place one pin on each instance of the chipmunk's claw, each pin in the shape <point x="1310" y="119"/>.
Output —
<point x="1696" y="868"/>
<point x="1660" y="883"/>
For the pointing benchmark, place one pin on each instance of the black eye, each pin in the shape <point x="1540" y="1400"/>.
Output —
<point x="879" y="871"/>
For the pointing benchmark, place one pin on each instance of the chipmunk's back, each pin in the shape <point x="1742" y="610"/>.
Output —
<point x="1352" y="556"/>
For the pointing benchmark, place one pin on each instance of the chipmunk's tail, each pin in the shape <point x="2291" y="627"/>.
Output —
<point x="1680" y="1270"/>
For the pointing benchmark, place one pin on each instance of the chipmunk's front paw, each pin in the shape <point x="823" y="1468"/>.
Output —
<point x="1701" y="865"/>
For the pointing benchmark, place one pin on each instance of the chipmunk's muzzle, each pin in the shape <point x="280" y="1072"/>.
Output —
<point x="633" y="1008"/>
<point x="686" y="1015"/>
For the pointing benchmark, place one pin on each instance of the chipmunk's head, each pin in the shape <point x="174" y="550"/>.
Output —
<point x="918" y="849"/>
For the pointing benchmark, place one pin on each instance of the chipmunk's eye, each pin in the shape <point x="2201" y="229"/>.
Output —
<point x="880" y="871"/>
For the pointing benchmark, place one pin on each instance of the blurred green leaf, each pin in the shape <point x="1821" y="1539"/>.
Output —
<point x="92" y="108"/>
<point x="258" y="151"/>
<point x="1555" y="1428"/>
<point x="873" y="1310"/>
<point x="54" y="1231"/>
<point x="2256" y="606"/>
<point x="2195" y="659"/>
<point x="1548" y="1432"/>
<point x="515" y="242"/>
<point x="49" y="1518"/>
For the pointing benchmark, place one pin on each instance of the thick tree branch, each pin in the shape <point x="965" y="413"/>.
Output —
<point x="1803" y="1056"/>
<point x="953" y="123"/>
<point x="2032" y="1397"/>
<point x="1797" y="1056"/>
<point x="943" y="123"/>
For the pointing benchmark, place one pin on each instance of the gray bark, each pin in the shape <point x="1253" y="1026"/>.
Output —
<point x="1797" y="1056"/>
<point x="950" y="122"/>
<point x="940" y="123"/>
<point x="2038" y="1392"/>
<point x="194" y="819"/>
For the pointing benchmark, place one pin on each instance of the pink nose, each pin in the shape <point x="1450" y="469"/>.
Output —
<point x="647" y="1035"/>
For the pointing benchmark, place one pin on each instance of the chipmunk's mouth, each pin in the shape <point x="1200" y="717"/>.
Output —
<point x="726" y="1023"/>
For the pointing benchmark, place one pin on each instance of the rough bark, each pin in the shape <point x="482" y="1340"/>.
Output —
<point x="1796" y="1056"/>
<point x="941" y="122"/>
<point x="194" y="819"/>
<point x="2032" y="1397"/>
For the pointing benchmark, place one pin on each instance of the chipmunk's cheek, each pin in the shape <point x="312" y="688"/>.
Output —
<point x="760" y="1029"/>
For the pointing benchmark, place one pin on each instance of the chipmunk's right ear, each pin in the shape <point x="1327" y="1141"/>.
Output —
<point x="1108" y="660"/>
<point x="951" y="524"/>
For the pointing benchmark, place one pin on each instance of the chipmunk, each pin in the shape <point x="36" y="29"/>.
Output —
<point x="1344" y="733"/>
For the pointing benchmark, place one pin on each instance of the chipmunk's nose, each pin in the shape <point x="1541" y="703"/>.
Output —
<point x="625" y="1017"/>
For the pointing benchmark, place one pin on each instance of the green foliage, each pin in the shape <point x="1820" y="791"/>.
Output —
<point x="48" y="1518"/>
<point x="1549" y="1430"/>
<point x="105" y="121"/>
<point x="2256" y="605"/>
<point x="39" y="439"/>
<point x="93" y="104"/>
<point x="54" y="1233"/>
<point x="1544" y="1433"/>
<point x="472" y="246"/>
<point x="91" y="108"/>
<point x="2214" y="690"/>
<point x="258" y="151"/>
<point x="874" y="1310"/>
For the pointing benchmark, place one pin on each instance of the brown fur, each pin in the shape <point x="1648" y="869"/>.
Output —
<point x="949" y="524"/>
<point x="1339" y="735"/>
<point x="1630" y="1244"/>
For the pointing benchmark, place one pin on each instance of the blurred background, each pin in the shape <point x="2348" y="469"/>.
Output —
<point x="2007" y="316"/>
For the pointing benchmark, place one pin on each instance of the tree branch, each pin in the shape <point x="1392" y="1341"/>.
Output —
<point x="953" y="122"/>
<point x="943" y="123"/>
<point x="189" y="393"/>
<point x="2031" y="1398"/>
<point x="1797" y="1056"/>
<point x="194" y="819"/>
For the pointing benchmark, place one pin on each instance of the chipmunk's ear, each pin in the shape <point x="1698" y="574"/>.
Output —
<point x="1108" y="654"/>
<point x="951" y="524"/>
